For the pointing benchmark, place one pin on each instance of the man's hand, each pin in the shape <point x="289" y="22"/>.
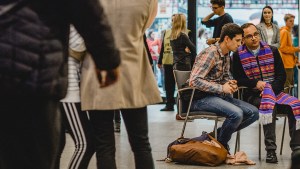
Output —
<point x="205" y="19"/>
<point x="260" y="85"/>
<point x="227" y="88"/>
<point x="233" y="84"/>
<point x="159" y="66"/>
<point x="107" y="77"/>
<point x="212" y="40"/>
<point x="187" y="50"/>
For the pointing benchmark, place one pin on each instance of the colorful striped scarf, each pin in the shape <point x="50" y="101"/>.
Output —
<point x="269" y="100"/>
<point x="266" y="63"/>
<point x="265" y="72"/>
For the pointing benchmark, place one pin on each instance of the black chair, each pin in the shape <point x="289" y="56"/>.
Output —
<point x="181" y="78"/>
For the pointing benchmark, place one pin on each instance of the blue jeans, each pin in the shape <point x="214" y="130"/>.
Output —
<point x="239" y="114"/>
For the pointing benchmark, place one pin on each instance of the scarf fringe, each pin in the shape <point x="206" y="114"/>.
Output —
<point x="297" y="124"/>
<point x="266" y="118"/>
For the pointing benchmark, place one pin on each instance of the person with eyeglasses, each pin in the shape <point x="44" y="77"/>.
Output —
<point x="259" y="67"/>
<point x="217" y="7"/>
<point x="287" y="50"/>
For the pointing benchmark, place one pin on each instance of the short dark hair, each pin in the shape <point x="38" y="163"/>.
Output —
<point x="246" y="25"/>
<point x="230" y="30"/>
<point x="288" y="16"/>
<point x="262" y="19"/>
<point x="218" y="2"/>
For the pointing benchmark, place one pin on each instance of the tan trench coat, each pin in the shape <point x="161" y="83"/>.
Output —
<point x="137" y="86"/>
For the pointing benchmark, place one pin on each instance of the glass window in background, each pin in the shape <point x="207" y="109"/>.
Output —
<point x="166" y="8"/>
<point x="243" y="11"/>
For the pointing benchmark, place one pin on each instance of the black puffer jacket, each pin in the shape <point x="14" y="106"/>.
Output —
<point x="34" y="45"/>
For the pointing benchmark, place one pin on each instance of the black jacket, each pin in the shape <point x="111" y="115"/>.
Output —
<point x="34" y="45"/>
<point x="239" y="73"/>
<point x="179" y="54"/>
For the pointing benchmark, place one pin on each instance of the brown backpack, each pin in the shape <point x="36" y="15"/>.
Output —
<point x="197" y="152"/>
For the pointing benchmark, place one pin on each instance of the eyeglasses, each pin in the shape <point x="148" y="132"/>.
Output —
<point x="212" y="7"/>
<point x="255" y="35"/>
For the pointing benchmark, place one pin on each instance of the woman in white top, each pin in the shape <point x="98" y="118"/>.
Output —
<point x="269" y="31"/>
<point x="77" y="120"/>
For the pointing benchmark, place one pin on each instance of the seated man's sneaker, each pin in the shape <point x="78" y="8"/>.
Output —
<point x="271" y="156"/>
<point x="296" y="159"/>
<point x="167" y="108"/>
<point x="228" y="149"/>
<point x="213" y="133"/>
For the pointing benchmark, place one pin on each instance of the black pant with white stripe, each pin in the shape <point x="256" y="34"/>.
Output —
<point x="81" y="132"/>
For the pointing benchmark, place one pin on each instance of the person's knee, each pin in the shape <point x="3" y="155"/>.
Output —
<point x="237" y="116"/>
<point x="255" y="114"/>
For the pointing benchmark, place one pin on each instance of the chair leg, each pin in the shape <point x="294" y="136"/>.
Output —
<point x="259" y="141"/>
<point x="187" y="114"/>
<point x="215" y="128"/>
<point x="282" y="138"/>
<point x="237" y="142"/>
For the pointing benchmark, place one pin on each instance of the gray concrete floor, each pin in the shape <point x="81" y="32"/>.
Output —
<point x="163" y="129"/>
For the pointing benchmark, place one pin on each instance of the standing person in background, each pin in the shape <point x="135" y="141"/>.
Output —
<point x="154" y="46"/>
<point x="202" y="35"/>
<point x="148" y="50"/>
<point x="36" y="55"/>
<point x="295" y="44"/>
<point x="132" y="93"/>
<point x="218" y="8"/>
<point x="77" y="120"/>
<point x="166" y="60"/>
<point x="287" y="50"/>
<point x="184" y="51"/>
<point x="269" y="32"/>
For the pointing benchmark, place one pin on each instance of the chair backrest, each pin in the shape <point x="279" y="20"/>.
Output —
<point x="183" y="106"/>
<point x="181" y="77"/>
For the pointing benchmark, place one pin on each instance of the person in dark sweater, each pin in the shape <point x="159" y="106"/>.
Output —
<point x="184" y="51"/>
<point x="217" y="7"/>
<point x="33" y="75"/>
<point x="259" y="67"/>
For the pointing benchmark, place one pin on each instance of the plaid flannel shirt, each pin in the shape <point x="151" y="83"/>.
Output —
<point x="211" y="70"/>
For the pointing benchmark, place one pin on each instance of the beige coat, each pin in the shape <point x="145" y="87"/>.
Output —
<point x="137" y="86"/>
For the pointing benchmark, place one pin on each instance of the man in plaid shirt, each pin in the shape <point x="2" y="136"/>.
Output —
<point x="212" y="76"/>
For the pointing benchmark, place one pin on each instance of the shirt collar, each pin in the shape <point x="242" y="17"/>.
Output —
<point x="254" y="52"/>
<point x="217" y="44"/>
